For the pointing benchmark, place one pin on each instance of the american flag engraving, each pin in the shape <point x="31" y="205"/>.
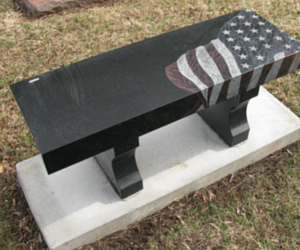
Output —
<point x="249" y="51"/>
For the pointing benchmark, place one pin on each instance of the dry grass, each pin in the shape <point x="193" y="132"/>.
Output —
<point x="246" y="213"/>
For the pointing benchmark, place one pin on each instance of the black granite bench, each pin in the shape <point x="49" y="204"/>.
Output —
<point x="100" y="106"/>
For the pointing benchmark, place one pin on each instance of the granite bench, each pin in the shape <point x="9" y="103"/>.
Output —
<point x="100" y="106"/>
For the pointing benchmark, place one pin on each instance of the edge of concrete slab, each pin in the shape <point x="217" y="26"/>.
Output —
<point x="168" y="174"/>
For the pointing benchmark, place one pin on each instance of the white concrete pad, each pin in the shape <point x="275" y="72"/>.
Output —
<point x="77" y="205"/>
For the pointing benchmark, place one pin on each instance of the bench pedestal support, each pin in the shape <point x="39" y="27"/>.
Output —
<point x="120" y="168"/>
<point x="229" y="118"/>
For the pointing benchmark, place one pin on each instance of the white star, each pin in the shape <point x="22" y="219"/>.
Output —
<point x="226" y="32"/>
<point x="242" y="56"/>
<point x="261" y="38"/>
<point x="259" y="57"/>
<point x="268" y="31"/>
<point x="254" y="16"/>
<point x="292" y="38"/>
<point x="236" y="47"/>
<point x="281" y="31"/>
<point x="278" y="38"/>
<point x="247" y="24"/>
<point x="248" y="10"/>
<point x="260" y="23"/>
<point x="245" y="65"/>
<point x="252" y="48"/>
<point x="254" y="30"/>
<point x="240" y="17"/>
<point x="287" y="46"/>
<point x="246" y="39"/>
<point x="232" y="24"/>
<point x="240" y="31"/>
<point x="230" y="39"/>
<point x="267" y="46"/>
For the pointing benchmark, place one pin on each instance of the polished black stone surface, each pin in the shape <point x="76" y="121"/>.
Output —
<point x="87" y="107"/>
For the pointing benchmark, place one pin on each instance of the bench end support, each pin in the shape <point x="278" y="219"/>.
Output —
<point x="229" y="118"/>
<point x="119" y="166"/>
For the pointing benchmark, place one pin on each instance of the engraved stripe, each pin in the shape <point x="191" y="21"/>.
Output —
<point x="278" y="59"/>
<point x="295" y="63"/>
<point x="235" y="72"/>
<point x="208" y="64"/>
<point x="245" y="80"/>
<point x="215" y="94"/>
<point x="219" y="60"/>
<point x="186" y="71"/>
<point x="200" y="108"/>
<point x="179" y="80"/>
<point x="224" y="90"/>
<point x="264" y="73"/>
<point x="197" y="69"/>
<point x="234" y="87"/>
<point x="255" y="77"/>
<point x="228" y="57"/>
<point x="286" y="64"/>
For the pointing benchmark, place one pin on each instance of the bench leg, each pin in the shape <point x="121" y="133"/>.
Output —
<point x="229" y="118"/>
<point x="120" y="168"/>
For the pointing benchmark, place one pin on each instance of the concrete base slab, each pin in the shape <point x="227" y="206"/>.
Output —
<point x="77" y="205"/>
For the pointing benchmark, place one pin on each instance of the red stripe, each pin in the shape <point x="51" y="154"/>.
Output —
<point x="245" y="80"/>
<point x="182" y="82"/>
<point x="286" y="64"/>
<point x="197" y="69"/>
<point x="219" y="61"/>
<point x="223" y="93"/>
<point x="179" y="80"/>
<point x="264" y="73"/>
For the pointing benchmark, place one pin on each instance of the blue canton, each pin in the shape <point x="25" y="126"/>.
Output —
<point x="254" y="41"/>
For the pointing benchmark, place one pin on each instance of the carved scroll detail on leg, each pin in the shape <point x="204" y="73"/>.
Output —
<point x="229" y="118"/>
<point x="120" y="168"/>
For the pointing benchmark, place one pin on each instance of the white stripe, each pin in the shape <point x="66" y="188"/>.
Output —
<point x="186" y="71"/>
<point x="255" y="77"/>
<point x="208" y="64"/>
<point x="228" y="57"/>
<point x="295" y="63"/>
<point x="278" y="58"/>
<point x="201" y="108"/>
<point x="215" y="94"/>
<point x="205" y="93"/>
<point x="234" y="87"/>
